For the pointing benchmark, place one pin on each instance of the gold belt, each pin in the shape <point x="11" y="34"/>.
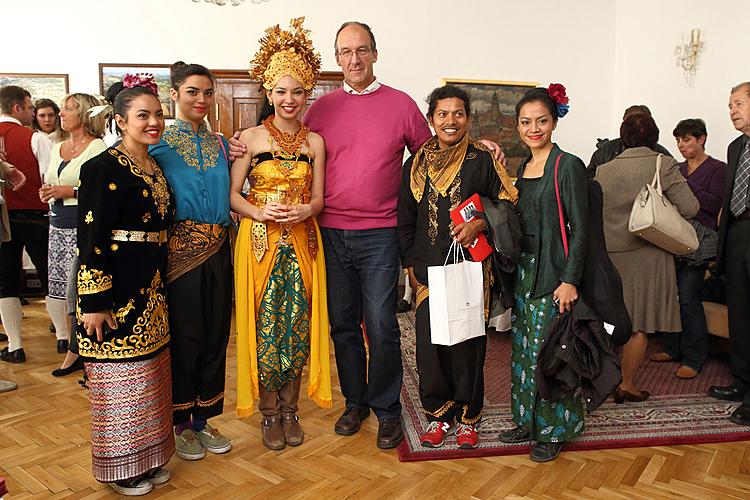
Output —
<point x="140" y="236"/>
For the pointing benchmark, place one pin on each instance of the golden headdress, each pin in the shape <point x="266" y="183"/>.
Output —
<point x="286" y="53"/>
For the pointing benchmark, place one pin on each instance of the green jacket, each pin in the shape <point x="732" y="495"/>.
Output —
<point x="552" y="267"/>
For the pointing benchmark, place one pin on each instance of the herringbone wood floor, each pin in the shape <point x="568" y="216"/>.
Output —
<point x="44" y="453"/>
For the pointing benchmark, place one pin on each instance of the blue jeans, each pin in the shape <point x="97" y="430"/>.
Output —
<point x="690" y="346"/>
<point x="363" y="268"/>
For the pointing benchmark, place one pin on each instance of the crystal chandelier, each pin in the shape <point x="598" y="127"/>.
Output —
<point x="233" y="2"/>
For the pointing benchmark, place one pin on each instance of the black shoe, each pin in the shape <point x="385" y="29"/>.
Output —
<point x="544" y="452"/>
<point x="515" y="435"/>
<point x="741" y="415"/>
<point x="403" y="306"/>
<point x="350" y="422"/>
<point x="23" y="301"/>
<point x="17" y="356"/>
<point x="52" y="329"/>
<point x="62" y="346"/>
<point x="61" y="372"/>
<point x="727" y="392"/>
<point x="390" y="432"/>
<point x="3" y="337"/>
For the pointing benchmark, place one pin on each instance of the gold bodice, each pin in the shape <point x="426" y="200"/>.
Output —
<point x="277" y="179"/>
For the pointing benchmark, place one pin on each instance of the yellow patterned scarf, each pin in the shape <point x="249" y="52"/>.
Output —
<point x="440" y="165"/>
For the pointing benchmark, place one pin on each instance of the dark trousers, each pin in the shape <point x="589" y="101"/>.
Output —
<point x="690" y="346"/>
<point x="737" y="268"/>
<point x="30" y="229"/>
<point x="362" y="268"/>
<point x="451" y="378"/>
<point x="200" y="311"/>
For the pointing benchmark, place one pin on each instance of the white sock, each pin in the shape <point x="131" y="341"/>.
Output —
<point x="56" y="311"/>
<point x="11" y="313"/>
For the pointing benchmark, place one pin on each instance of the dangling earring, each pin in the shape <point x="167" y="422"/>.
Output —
<point x="270" y="102"/>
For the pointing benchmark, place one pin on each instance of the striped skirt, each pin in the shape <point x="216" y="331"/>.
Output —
<point x="131" y="417"/>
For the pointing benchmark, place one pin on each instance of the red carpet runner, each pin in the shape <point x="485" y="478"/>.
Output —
<point x="678" y="412"/>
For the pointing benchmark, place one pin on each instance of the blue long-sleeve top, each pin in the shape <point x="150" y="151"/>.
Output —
<point x="197" y="169"/>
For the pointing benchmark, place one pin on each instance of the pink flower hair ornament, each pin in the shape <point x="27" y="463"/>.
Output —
<point x="557" y="93"/>
<point x="140" y="80"/>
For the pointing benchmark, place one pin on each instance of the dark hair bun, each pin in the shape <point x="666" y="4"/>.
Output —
<point x="112" y="92"/>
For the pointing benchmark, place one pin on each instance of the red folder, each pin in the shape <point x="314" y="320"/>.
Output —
<point x="465" y="212"/>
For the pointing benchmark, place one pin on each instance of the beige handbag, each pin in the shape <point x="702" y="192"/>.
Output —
<point x="656" y="220"/>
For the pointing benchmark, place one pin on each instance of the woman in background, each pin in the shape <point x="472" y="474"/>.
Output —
<point x="649" y="285"/>
<point x="706" y="177"/>
<point x="61" y="191"/>
<point x="47" y="120"/>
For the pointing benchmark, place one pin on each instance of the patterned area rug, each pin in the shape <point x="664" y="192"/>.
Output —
<point x="678" y="412"/>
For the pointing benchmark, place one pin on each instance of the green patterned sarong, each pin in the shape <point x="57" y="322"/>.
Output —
<point x="283" y="324"/>
<point x="552" y="421"/>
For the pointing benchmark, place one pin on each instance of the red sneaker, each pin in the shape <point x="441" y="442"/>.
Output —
<point x="466" y="437"/>
<point x="435" y="434"/>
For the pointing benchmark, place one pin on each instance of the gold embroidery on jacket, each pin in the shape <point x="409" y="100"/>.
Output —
<point x="123" y="311"/>
<point x="156" y="182"/>
<point x="89" y="217"/>
<point x="150" y="333"/>
<point x="187" y="147"/>
<point x="92" y="281"/>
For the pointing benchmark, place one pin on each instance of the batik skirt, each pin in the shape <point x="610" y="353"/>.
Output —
<point x="62" y="251"/>
<point x="548" y="421"/>
<point x="131" y="417"/>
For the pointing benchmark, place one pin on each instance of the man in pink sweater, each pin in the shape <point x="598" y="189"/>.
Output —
<point x="366" y="126"/>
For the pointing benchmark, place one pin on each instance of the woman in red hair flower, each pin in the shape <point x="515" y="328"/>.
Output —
<point x="547" y="281"/>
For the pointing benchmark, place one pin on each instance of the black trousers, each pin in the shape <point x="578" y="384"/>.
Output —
<point x="200" y="311"/>
<point x="451" y="378"/>
<point x="30" y="229"/>
<point x="737" y="268"/>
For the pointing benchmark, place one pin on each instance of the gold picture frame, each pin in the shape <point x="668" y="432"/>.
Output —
<point x="493" y="114"/>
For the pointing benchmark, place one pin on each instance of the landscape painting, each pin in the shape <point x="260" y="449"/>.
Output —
<point x="39" y="85"/>
<point x="493" y="115"/>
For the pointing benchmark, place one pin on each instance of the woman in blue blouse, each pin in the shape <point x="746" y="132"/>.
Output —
<point x="199" y="269"/>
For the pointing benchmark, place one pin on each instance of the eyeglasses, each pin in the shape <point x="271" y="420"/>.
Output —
<point x="361" y="52"/>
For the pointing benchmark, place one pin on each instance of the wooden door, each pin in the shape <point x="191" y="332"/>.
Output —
<point x="238" y="99"/>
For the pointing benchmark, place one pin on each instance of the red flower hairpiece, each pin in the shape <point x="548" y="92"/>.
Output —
<point x="140" y="80"/>
<point x="556" y="91"/>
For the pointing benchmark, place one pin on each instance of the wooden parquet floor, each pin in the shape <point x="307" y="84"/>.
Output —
<point x="44" y="453"/>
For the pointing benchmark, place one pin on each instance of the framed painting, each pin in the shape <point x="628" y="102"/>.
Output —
<point x="110" y="73"/>
<point x="40" y="85"/>
<point x="493" y="115"/>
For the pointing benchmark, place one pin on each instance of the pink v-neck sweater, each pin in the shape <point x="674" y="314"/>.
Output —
<point x="365" y="136"/>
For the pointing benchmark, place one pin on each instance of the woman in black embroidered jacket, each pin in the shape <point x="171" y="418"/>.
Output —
<point x="125" y="208"/>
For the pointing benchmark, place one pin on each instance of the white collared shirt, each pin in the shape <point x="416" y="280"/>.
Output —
<point x="375" y="85"/>
<point x="40" y="146"/>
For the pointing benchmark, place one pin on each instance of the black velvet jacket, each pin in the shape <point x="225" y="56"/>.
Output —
<point x="123" y="215"/>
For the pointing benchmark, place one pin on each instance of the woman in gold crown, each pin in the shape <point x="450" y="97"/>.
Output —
<point x="280" y="283"/>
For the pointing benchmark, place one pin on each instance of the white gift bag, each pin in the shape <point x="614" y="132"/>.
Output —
<point x="456" y="299"/>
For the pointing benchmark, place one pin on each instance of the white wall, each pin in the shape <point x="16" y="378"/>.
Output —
<point x="419" y="42"/>
<point x="645" y="70"/>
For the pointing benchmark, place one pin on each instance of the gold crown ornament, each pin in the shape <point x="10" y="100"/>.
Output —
<point x="286" y="53"/>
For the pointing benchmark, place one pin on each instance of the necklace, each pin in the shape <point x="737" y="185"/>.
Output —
<point x="155" y="181"/>
<point x="138" y="164"/>
<point x="72" y="145"/>
<point x="290" y="144"/>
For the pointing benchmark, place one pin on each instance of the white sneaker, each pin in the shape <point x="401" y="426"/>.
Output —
<point x="132" y="487"/>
